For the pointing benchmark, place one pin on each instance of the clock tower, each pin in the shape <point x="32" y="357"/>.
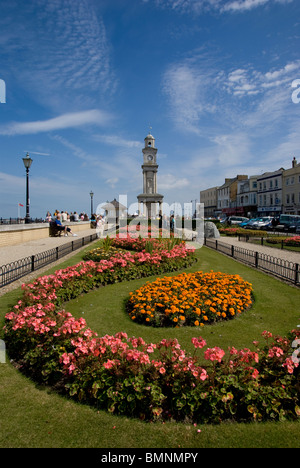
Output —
<point x="149" y="198"/>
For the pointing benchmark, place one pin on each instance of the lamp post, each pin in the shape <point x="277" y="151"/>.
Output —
<point x="92" y="195"/>
<point x="27" y="163"/>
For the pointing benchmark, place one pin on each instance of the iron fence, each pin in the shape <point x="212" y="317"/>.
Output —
<point x="19" y="268"/>
<point x="283" y="269"/>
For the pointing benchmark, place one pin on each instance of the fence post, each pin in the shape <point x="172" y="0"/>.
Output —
<point x="216" y="244"/>
<point x="32" y="262"/>
<point x="56" y="253"/>
<point x="256" y="259"/>
<point x="232" y="250"/>
<point x="296" y="272"/>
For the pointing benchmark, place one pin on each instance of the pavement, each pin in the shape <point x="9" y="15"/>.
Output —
<point x="283" y="254"/>
<point x="18" y="252"/>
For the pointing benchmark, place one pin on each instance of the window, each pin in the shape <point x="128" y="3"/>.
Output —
<point x="276" y="182"/>
<point x="287" y="198"/>
<point x="292" y="198"/>
<point x="271" y="183"/>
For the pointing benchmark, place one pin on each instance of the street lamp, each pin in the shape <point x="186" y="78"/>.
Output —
<point x="27" y="163"/>
<point x="91" y="195"/>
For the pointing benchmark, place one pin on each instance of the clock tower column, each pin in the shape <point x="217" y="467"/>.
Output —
<point x="149" y="198"/>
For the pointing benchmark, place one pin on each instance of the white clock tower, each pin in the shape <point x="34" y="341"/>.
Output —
<point x="149" y="198"/>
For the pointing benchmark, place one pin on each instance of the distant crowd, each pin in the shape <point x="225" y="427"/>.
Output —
<point x="66" y="216"/>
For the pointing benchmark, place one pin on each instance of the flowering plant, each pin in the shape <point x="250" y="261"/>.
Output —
<point x="153" y="381"/>
<point x="190" y="299"/>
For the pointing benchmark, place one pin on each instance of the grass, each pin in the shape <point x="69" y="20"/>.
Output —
<point x="32" y="416"/>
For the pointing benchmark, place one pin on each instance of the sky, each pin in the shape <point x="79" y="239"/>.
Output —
<point x="82" y="83"/>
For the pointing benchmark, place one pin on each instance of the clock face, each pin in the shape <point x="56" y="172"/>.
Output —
<point x="150" y="157"/>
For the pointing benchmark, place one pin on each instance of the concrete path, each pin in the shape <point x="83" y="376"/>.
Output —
<point x="278" y="253"/>
<point x="17" y="252"/>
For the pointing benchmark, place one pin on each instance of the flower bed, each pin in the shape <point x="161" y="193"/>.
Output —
<point x="293" y="241"/>
<point x="152" y="381"/>
<point x="190" y="299"/>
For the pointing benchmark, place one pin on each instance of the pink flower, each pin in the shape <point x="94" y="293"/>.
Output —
<point x="162" y="370"/>
<point x="199" y="342"/>
<point x="275" y="351"/>
<point x="214" y="354"/>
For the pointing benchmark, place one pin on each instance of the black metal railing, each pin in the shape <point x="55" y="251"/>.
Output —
<point x="283" y="269"/>
<point x="19" y="268"/>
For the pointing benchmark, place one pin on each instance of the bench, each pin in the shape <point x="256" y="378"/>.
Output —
<point x="54" y="231"/>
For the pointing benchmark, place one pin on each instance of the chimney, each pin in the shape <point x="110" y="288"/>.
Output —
<point x="294" y="162"/>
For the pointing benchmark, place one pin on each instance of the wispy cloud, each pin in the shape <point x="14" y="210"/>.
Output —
<point x="66" y="51"/>
<point x="246" y="5"/>
<point x="116" y="140"/>
<point x="222" y="6"/>
<point x="70" y="120"/>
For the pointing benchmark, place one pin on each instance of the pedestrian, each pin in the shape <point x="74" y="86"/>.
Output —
<point x="60" y="227"/>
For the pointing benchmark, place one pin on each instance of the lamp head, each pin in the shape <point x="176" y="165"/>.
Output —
<point x="27" y="161"/>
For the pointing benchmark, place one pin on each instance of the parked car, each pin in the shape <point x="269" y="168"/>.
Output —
<point x="250" y="223"/>
<point x="288" y="222"/>
<point x="297" y="228"/>
<point x="243" y="224"/>
<point x="263" y="223"/>
<point x="236" y="220"/>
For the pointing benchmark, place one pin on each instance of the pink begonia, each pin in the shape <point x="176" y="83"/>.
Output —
<point x="275" y="351"/>
<point x="199" y="342"/>
<point x="290" y="364"/>
<point x="255" y="374"/>
<point x="214" y="354"/>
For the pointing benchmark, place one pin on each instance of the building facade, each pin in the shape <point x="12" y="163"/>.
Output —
<point x="247" y="197"/>
<point x="291" y="189"/>
<point x="209" y="198"/>
<point x="269" y="193"/>
<point x="227" y="195"/>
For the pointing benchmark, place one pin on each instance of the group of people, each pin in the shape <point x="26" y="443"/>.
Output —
<point x="59" y="218"/>
<point x="65" y="216"/>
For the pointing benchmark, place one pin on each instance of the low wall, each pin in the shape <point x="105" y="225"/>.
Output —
<point x="19" y="233"/>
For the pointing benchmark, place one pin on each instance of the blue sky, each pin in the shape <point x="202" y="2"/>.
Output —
<point x="86" y="79"/>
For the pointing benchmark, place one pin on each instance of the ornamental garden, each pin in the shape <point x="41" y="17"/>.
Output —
<point x="153" y="381"/>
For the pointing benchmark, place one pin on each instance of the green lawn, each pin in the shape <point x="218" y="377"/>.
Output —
<point x="32" y="416"/>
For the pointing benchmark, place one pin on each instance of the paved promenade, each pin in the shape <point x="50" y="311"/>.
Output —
<point x="284" y="254"/>
<point x="17" y="252"/>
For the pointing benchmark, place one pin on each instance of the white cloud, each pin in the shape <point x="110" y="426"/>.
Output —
<point x="223" y="6"/>
<point x="66" y="52"/>
<point x="69" y="120"/>
<point x="171" y="182"/>
<point x="116" y="140"/>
